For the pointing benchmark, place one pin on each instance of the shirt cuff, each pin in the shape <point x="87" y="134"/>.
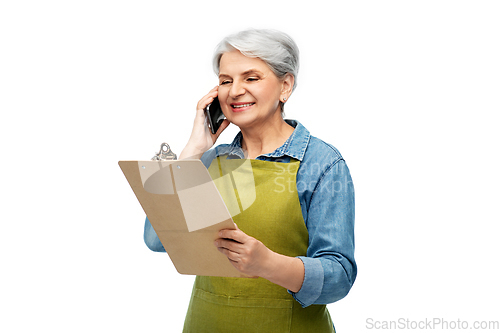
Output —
<point x="313" y="282"/>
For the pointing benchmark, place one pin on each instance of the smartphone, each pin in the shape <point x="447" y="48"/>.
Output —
<point x="215" y="116"/>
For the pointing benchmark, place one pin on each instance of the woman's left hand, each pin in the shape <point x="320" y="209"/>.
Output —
<point x="247" y="254"/>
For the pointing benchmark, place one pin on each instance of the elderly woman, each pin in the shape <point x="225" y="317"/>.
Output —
<point x="297" y="238"/>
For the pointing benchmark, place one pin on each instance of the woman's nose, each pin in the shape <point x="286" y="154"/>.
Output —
<point x="236" y="90"/>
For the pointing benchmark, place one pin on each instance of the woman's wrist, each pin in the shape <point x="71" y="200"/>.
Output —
<point x="191" y="153"/>
<point x="285" y="271"/>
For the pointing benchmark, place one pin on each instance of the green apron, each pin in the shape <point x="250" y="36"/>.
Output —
<point x="271" y="213"/>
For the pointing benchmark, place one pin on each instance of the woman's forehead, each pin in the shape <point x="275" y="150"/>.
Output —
<point x="235" y="62"/>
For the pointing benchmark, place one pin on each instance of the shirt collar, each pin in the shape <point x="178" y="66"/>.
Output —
<point x="295" y="146"/>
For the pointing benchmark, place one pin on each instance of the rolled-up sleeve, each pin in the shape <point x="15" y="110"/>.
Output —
<point x="330" y="268"/>
<point x="151" y="238"/>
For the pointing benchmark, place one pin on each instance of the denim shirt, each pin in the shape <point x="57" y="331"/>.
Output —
<point x="326" y="195"/>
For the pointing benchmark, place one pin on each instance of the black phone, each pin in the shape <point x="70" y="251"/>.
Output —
<point x="214" y="115"/>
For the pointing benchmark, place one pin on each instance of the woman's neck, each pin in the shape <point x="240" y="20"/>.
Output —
<point x="265" y="139"/>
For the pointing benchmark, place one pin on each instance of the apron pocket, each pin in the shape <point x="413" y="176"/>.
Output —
<point x="213" y="313"/>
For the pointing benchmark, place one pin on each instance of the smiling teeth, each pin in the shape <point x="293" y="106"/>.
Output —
<point x="242" y="105"/>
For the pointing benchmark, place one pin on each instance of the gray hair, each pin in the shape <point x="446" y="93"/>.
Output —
<point x="275" y="48"/>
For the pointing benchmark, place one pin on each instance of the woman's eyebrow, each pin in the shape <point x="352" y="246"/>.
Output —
<point x="250" y="71"/>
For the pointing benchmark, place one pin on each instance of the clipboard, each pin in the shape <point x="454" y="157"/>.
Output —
<point x="186" y="210"/>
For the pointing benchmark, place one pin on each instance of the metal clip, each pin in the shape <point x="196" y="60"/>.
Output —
<point x="165" y="153"/>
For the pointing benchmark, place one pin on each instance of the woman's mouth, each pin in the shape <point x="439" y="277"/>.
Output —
<point x="238" y="107"/>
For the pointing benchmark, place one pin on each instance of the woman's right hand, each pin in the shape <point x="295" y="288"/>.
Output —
<point x="201" y="138"/>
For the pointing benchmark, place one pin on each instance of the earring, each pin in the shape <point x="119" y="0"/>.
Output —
<point x="284" y="99"/>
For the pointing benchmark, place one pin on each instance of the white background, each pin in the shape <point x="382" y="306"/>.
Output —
<point x="408" y="91"/>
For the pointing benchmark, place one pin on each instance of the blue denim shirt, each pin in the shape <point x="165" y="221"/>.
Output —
<point x="326" y="195"/>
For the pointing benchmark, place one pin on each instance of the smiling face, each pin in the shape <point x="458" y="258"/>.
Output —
<point x="249" y="91"/>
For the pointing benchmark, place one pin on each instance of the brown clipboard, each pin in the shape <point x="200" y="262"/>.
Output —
<point x="186" y="210"/>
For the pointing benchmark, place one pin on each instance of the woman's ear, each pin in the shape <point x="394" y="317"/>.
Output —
<point x="286" y="87"/>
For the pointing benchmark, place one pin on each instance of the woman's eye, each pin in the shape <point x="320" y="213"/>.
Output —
<point x="252" y="79"/>
<point x="224" y="82"/>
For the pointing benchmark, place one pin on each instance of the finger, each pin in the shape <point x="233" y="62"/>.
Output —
<point x="236" y="235"/>
<point x="212" y="91"/>
<point x="204" y="102"/>
<point x="228" y="253"/>
<point x="234" y="257"/>
<point x="231" y="245"/>
<point x="207" y="99"/>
